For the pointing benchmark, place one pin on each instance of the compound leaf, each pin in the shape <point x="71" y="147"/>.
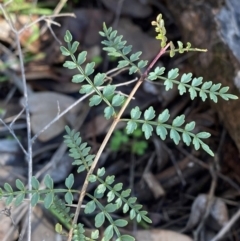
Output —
<point x="99" y="219"/>
<point x="147" y="129"/>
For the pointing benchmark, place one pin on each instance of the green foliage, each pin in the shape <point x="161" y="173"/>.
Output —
<point x="193" y="85"/>
<point x="59" y="209"/>
<point x="26" y="7"/>
<point x="116" y="47"/>
<point x="78" y="151"/>
<point x="139" y="125"/>
<point x="117" y="197"/>
<point x="161" y="30"/>
<point x="38" y="195"/>
<point x="177" y="130"/>
<point x="96" y="87"/>
<point x="78" y="234"/>
<point x="134" y="142"/>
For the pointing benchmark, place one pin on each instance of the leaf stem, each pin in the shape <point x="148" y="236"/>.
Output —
<point x="110" y="131"/>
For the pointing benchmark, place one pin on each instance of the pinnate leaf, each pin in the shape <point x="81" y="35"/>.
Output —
<point x="126" y="238"/>
<point x="110" y="208"/>
<point x="192" y="92"/>
<point x="196" y="143"/>
<point x="108" y="233"/>
<point x="69" y="181"/>
<point x="149" y="114"/>
<point x="162" y="132"/>
<point x="135" y="56"/>
<point x="64" y="51"/>
<point x="207" y="149"/>
<point x="35" y="183"/>
<point x="197" y="81"/>
<point x="8" y="188"/>
<point x="99" y="219"/>
<point x="164" y="116"/>
<point x="95" y="100"/>
<point x="186" y="78"/>
<point x="101" y="172"/>
<point x="122" y="64"/>
<point x="109" y="90"/>
<point x="131" y="126"/>
<point x="35" y="199"/>
<point x="175" y="136"/>
<point x="186" y="138"/>
<point x="127" y="49"/>
<point x="133" y="70"/>
<point x="19" y="199"/>
<point x="20" y="185"/>
<point x="136" y="113"/>
<point x="9" y="200"/>
<point x="121" y="223"/>
<point x="89" y="69"/>
<point x="74" y="47"/>
<point x="48" y="200"/>
<point x="99" y="79"/>
<point x="81" y="57"/>
<point x="190" y="126"/>
<point x="147" y="129"/>
<point x="203" y="135"/>
<point x="109" y="112"/>
<point x="68" y="37"/>
<point x="48" y="181"/>
<point x="142" y="63"/>
<point x="78" y="78"/>
<point x="69" y="64"/>
<point x="68" y="198"/>
<point x="90" y="207"/>
<point x="118" y="187"/>
<point x="173" y="74"/>
<point x="179" y="120"/>
<point x="117" y="100"/>
<point x="169" y="84"/>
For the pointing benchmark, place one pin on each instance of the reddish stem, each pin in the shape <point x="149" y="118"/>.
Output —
<point x="161" y="52"/>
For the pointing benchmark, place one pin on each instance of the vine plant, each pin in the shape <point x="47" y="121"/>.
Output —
<point x="118" y="198"/>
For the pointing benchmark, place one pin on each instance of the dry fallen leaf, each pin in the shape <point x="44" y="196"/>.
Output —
<point x="218" y="211"/>
<point x="160" y="235"/>
<point x="44" y="107"/>
<point x="154" y="185"/>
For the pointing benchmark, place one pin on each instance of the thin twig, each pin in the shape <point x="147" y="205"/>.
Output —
<point x="56" y="11"/>
<point x="108" y="135"/>
<point x="206" y="166"/>
<point x="43" y="18"/>
<point x="53" y="34"/>
<point x="116" y="71"/>
<point x="27" y="110"/>
<point x="16" y="117"/>
<point x="210" y="201"/>
<point x="15" y="137"/>
<point x="175" y="164"/>
<point x="28" y="120"/>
